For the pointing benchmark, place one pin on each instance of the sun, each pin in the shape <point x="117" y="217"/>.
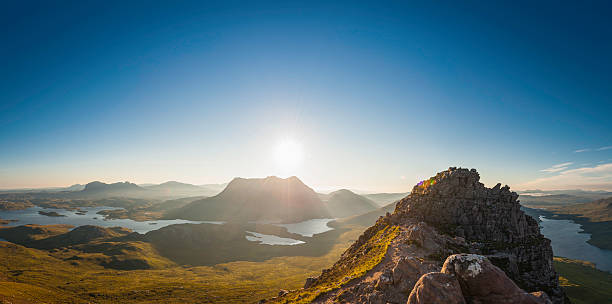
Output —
<point x="288" y="154"/>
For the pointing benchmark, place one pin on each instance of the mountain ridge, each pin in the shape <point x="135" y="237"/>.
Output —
<point x="448" y="214"/>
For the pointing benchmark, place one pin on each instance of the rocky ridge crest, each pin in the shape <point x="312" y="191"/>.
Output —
<point x="450" y="213"/>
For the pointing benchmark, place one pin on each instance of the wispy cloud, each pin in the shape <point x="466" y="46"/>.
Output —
<point x="588" y="149"/>
<point x="557" y="168"/>
<point x="587" y="178"/>
<point x="582" y="150"/>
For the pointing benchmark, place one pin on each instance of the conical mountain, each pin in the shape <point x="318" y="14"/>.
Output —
<point x="503" y="257"/>
<point x="257" y="199"/>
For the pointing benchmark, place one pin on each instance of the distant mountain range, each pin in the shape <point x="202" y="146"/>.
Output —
<point x="171" y="189"/>
<point x="174" y="188"/>
<point x="384" y="199"/>
<point x="274" y="199"/>
<point x="242" y="200"/>
<point x="343" y="203"/>
<point x="97" y="189"/>
<point x="557" y="198"/>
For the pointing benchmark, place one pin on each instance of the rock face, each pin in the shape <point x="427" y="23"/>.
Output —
<point x="450" y="213"/>
<point x="483" y="282"/>
<point x="470" y="278"/>
<point x="455" y="202"/>
<point x="436" y="287"/>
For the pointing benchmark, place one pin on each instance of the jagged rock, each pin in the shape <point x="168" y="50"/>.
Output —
<point x="456" y="203"/>
<point x="483" y="282"/>
<point x="436" y="287"/>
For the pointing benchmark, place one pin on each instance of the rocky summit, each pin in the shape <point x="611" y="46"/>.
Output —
<point x="452" y="240"/>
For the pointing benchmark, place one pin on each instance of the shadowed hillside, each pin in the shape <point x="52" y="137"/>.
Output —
<point x="343" y="203"/>
<point x="257" y="199"/>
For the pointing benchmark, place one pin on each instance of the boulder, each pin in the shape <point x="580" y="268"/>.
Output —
<point x="483" y="282"/>
<point x="436" y="287"/>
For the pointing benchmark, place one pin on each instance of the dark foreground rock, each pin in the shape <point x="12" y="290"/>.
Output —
<point x="436" y="287"/>
<point x="470" y="278"/>
<point x="450" y="213"/>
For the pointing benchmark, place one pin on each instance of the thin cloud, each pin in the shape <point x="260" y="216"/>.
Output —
<point x="582" y="150"/>
<point x="598" y="149"/>
<point x="586" y="178"/>
<point x="557" y="168"/>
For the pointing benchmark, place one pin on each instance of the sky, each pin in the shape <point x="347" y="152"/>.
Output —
<point x="363" y="95"/>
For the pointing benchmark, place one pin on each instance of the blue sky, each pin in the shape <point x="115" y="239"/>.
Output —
<point x="378" y="95"/>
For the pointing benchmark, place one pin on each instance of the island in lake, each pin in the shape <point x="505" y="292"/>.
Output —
<point x="50" y="213"/>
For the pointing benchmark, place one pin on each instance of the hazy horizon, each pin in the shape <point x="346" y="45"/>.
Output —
<point x="319" y="189"/>
<point x="347" y="95"/>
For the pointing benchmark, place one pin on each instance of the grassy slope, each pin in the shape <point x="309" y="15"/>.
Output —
<point x="363" y="258"/>
<point x="34" y="276"/>
<point x="582" y="282"/>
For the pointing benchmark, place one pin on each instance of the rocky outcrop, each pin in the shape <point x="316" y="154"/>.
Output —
<point x="436" y="287"/>
<point x="450" y="213"/>
<point x="490" y="219"/>
<point x="470" y="278"/>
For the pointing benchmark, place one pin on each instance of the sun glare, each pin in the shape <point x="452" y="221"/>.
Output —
<point x="288" y="154"/>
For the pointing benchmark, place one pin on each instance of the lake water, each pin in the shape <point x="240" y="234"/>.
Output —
<point x="271" y="239"/>
<point x="31" y="216"/>
<point x="567" y="241"/>
<point x="308" y="228"/>
<point x="70" y="217"/>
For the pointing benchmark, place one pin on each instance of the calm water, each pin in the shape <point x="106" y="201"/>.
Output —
<point x="308" y="228"/>
<point x="31" y="216"/>
<point x="567" y="241"/>
<point x="271" y="239"/>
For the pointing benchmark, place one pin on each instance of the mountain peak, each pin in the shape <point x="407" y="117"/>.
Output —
<point x="450" y="213"/>
<point x="455" y="198"/>
<point x="251" y="199"/>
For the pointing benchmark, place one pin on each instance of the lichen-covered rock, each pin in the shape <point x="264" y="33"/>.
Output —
<point x="483" y="282"/>
<point x="436" y="287"/>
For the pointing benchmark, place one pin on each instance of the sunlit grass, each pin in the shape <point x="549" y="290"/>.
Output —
<point x="35" y="276"/>
<point x="343" y="272"/>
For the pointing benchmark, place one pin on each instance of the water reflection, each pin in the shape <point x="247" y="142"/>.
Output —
<point x="567" y="241"/>
<point x="88" y="217"/>
<point x="308" y="228"/>
<point x="271" y="239"/>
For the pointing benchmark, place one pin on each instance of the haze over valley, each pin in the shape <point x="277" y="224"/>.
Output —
<point x="306" y="152"/>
